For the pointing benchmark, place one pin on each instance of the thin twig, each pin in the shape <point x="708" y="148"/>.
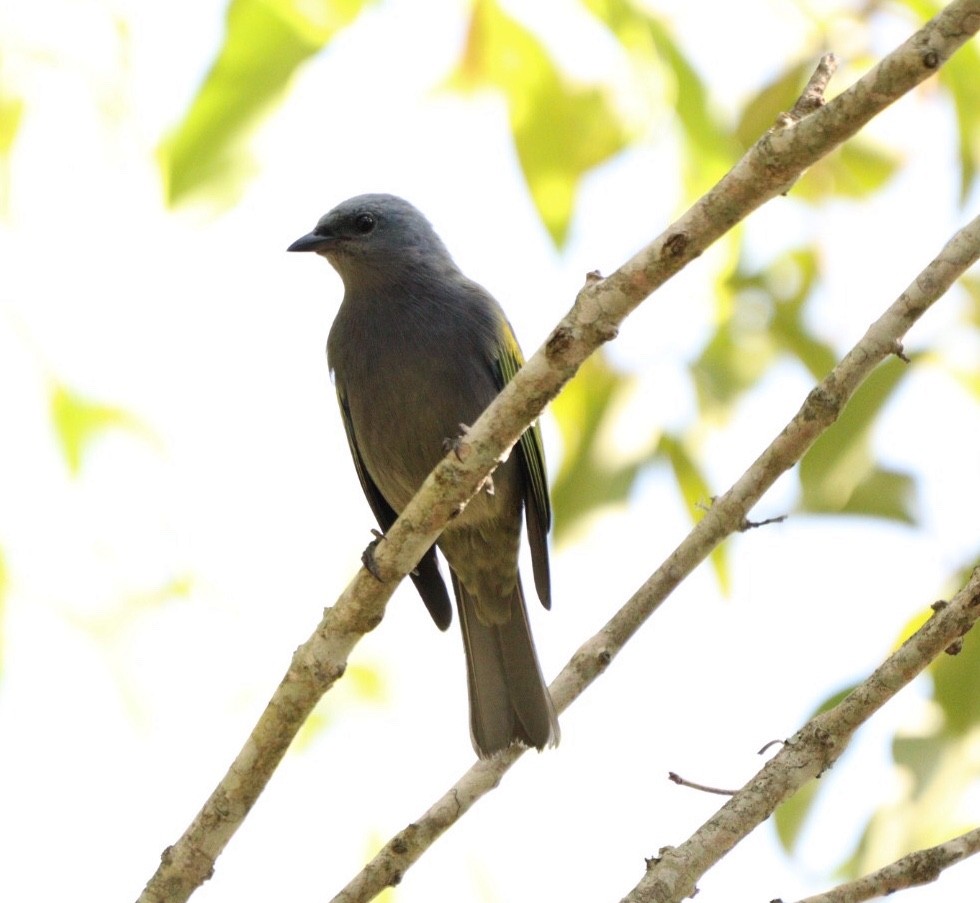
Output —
<point x="812" y="98"/>
<point x="704" y="788"/>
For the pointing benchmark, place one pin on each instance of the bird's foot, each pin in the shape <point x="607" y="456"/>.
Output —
<point x="367" y="556"/>
<point x="461" y="448"/>
<point x="458" y="445"/>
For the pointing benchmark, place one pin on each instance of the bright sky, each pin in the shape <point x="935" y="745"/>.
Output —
<point x="118" y="722"/>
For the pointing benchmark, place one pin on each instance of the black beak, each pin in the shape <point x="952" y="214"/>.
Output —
<point x="312" y="242"/>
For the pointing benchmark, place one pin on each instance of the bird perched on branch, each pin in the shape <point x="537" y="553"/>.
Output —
<point x="416" y="350"/>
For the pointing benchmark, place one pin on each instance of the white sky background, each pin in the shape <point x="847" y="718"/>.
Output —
<point x="113" y="730"/>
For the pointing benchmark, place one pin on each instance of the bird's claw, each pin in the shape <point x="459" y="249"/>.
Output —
<point x="457" y="445"/>
<point x="367" y="556"/>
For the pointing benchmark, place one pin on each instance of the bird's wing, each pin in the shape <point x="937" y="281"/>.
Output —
<point x="426" y="577"/>
<point x="530" y="449"/>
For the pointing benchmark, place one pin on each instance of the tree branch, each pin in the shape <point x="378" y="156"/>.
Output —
<point x="725" y="517"/>
<point x="914" y="870"/>
<point x="812" y="750"/>
<point x="765" y="171"/>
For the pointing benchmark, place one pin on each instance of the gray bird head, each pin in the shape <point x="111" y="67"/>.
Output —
<point x="375" y="235"/>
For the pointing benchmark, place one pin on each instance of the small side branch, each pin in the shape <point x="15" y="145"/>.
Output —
<point x="812" y="98"/>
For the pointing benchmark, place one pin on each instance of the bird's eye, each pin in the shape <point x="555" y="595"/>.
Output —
<point x="364" y="223"/>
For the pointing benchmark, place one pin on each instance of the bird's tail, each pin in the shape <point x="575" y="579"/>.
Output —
<point x="509" y="701"/>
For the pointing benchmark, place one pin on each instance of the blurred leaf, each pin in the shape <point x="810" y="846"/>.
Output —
<point x="584" y="411"/>
<point x="851" y="867"/>
<point x="179" y="587"/>
<point x="766" y="316"/>
<point x="109" y="624"/>
<point x="839" y="475"/>
<point x="971" y="284"/>
<point x="11" y="114"/>
<point x="790" y="818"/>
<point x="788" y="284"/>
<point x="759" y="114"/>
<point x="78" y="422"/>
<point x="969" y="376"/>
<point x="939" y="762"/>
<point x="732" y="362"/>
<point x="969" y="379"/>
<point x="697" y="496"/>
<point x="855" y="170"/>
<point x="941" y="771"/>
<point x="711" y="148"/>
<point x="361" y="684"/>
<point x="367" y="683"/>
<point x="705" y="131"/>
<point x="265" y="41"/>
<point x="956" y="679"/>
<point x="959" y="77"/>
<point x="883" y="493"/>
<point x="560" y="130"/>
<point x="921" y="756"/>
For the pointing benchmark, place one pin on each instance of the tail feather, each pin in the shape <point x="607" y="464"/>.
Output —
<point x="509" y="701"/>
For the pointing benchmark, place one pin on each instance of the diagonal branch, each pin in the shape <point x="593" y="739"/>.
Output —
<point x="725" y="517"/>
<point x="914" y="870"/>
<point x="764" y="172"/>
<point x="812" y="750"/>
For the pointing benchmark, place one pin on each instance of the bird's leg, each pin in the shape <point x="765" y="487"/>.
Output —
<point x="367" y="556"/>
<point x="457" y="444"/>
<point x="458" y="447"/>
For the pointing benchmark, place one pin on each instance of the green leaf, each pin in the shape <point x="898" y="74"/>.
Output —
<point x="855" y="170"/>
<point x="921" y="756"/>
<point x="790" y="818"/>
<point x="697" y="496"/>
<point x="265" y="41"/>
<point x="883" y="493"/>
<point x="711" y="147"/>
<point x="584" y="411"/>
<point x="765" y="316"/>
<point x="78" y="422"/>
<point x="971" y="284"/>
<point x="956" y="679"/>
<point x="778" y="96"/>
<point x="959" y="77"/>
<point x="839" y="475"/>
<point x="561" y="130"/>
<point x="790" y="282"/>
<point x="732" y="362"/>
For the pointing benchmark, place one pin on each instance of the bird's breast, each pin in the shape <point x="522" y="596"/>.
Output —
<point x="408" y="383"/>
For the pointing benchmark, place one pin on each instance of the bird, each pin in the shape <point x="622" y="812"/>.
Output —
<point x="417" y="351"/>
